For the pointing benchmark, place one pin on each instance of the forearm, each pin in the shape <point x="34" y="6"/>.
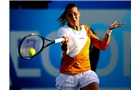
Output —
<point x="106" y="39"/>
<point x="102" y="44"/>
<point x="65" y="48"/>
<point x="64" y="45"/>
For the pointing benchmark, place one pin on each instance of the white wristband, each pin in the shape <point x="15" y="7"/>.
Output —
<point x="108" y="32"/>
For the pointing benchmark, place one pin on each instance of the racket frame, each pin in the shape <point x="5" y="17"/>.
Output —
<point x="43" y="39"/>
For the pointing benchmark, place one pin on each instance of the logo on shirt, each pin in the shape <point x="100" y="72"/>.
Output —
<point x="81" y="38"/>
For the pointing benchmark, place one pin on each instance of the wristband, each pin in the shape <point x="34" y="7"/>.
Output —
<point x="108" y="32"/>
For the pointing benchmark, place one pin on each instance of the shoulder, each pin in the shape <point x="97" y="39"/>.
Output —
<point x="63" y="27"/>
<point x="63" y="31"/>
<point x="87" y="27"/>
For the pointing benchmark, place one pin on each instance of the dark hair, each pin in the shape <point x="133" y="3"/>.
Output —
<point x="62" y="18"/>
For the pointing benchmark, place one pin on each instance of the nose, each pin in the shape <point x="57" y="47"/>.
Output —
<point x="73" y="17"/>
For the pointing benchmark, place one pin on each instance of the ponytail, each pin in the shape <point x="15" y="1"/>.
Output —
<point x="62" y="19"/>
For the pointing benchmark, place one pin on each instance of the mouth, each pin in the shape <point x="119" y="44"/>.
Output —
<point x="74" y="21"/>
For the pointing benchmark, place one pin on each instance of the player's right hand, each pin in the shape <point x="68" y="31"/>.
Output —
<point x="66" y="40"/>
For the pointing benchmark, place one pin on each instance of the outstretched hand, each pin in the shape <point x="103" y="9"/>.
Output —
<point x="115" y="25"/>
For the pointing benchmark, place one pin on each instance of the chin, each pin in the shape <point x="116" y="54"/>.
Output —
<point x="75" y="24"/>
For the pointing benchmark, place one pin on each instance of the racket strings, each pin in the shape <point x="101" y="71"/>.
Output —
<point x="35" y="42"/>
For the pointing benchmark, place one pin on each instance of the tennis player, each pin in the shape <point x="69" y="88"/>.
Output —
<point x="75" y="71"/>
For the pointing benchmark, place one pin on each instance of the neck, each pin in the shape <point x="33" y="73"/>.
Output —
<point x="78" y="27"/>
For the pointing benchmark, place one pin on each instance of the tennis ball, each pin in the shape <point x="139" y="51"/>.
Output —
<point x="31" y="51"/>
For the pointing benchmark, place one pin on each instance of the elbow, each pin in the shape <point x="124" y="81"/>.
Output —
<point x="105" y="47"/>
<point x="101" y="45"/>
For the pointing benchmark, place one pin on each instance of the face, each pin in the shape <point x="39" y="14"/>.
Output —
<point x="73" y="16"/>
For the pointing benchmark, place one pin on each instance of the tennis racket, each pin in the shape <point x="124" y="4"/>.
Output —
<point x="35" y="41"/>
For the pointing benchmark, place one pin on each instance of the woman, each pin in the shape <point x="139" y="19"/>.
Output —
<point x="75" y="71"/>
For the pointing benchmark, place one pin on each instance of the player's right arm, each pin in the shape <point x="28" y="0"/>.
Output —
<point x="64" y="45"/>
<point x="62" y="32"/>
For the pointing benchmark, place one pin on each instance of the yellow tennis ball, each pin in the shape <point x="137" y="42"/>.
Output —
<point x="31" y="51"/>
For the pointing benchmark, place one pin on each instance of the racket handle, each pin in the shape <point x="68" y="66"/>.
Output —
<point x="58" y="40"/>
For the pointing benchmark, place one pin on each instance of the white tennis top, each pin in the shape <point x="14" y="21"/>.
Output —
<point x="77" y="39"/>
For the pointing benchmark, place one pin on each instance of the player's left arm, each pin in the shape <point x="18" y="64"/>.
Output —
<point x="103" y="44"/>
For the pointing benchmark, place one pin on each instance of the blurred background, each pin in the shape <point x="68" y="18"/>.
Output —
<point x="113" y="66"/>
